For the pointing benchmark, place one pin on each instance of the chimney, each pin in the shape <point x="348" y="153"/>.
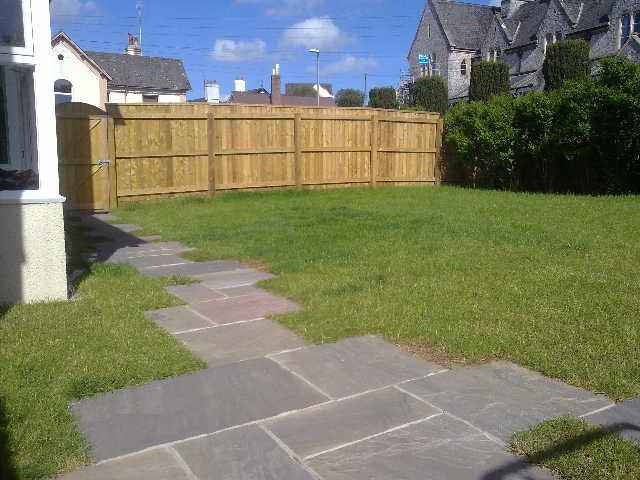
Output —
<point x="275" y="86"/>
<point x="212" y="92"/>
<point x="239" y="85"/>
<point x="133" y="48"/>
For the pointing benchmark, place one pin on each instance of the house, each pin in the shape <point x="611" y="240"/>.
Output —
<point x="100" y="77"/>
<point x="455" y="34"/>
<point x="326" y="89"/>
<point x="262" y="97"/>
<point x="32" y="252"/>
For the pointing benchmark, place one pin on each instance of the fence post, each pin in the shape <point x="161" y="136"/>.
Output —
<point x="113" y="172"/>
<point x="374" y="149"/>
<point x="297" y="138"/>
<point x="437" y="174"/>
<point x="211" y="141"/>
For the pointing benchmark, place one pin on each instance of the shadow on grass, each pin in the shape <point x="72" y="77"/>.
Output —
<point x="559" y="449"/>
<point x="7" y="469"/>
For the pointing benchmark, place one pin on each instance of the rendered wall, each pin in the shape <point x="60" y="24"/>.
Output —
<point x="32" y="257"/>
<point x="86" y="84"/>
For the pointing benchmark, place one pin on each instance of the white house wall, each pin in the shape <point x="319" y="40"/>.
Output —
<point x="119" y="96"/>
<point x="85" y="83"/>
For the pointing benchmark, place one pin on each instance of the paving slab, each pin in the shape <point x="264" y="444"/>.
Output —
<point x="238" y="309"/>
<point x="135" y="418"/>
<point x="105" y="217"/>
<point x="241" y="291"/>
<point x="240" y="341"/>
<point x="247" y="276"/>
<point x="441" y="448"/>
<point x="150" y="238"/>
<point x="242" y="453"/>
<point x="179" y="319"/>
<point x="150" y="260"/>
<point x="355" y="365"/>
<point x="192" y="269"/>
<point x="195" y="293"/>
<point x="327" y="426"/>
<point x="151" y="248"/>
<point x="152" y="465"/>
<point x="502" y="398"/>
<point x="126" y="227"/>
<point x="623" y="418"/>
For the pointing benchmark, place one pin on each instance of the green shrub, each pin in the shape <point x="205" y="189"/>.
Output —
<point x="567" y="60"/>
<point x="349" y="97"/>
<point x="383" y="97"/>
<point x="431" y="94"/>
<point x="488" y="78"/>
<point x="304" y="90"/>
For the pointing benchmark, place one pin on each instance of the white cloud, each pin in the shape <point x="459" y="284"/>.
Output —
<point x="347" y="64"/>
<point x="315" y="32"/>
<point x="231" y="52"/>
<point x="65" y="10"/>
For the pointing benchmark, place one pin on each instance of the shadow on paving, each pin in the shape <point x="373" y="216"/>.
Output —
<point x="119" y="238"/>
<point x="557" y="450"/>
<point x="7" y="469"/>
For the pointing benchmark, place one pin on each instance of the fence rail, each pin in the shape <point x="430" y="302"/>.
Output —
<point x="165" y="150"/>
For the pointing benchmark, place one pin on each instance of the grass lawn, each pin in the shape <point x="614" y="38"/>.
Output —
<point x="52" y="353"/>
<point x="549" y="282"/>
<point x="576" y="450"/>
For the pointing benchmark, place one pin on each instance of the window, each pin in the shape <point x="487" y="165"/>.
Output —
<point x="625" y="29"/>
<point x="558" y="36"/>
<point x="463" y="67"/>
<point x="429" y="30"/>
<point x="149" y="98"/>
<point x="498" y="54"/>
<point x="636" y="22"/>
<point x="15" y="28"/>
<point x="62" y="89"/>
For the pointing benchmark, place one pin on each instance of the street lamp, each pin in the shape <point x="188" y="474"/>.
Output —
<point x="317" y="52"/>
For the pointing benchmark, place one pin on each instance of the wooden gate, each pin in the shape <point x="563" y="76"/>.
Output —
<point x="83" y="156"/>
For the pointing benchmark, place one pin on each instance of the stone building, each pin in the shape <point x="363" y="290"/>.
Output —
<point x="455" y="34"/>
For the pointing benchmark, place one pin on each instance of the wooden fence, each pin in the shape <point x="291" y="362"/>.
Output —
<point x="165" y="150"/>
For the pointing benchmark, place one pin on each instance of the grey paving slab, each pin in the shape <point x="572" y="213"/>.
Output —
<point x="240" y="291"/>
<point x="150" y="238"/>
<point x="355" y="365"/>
<point x="242" y="453"/>
<point x="623" y="418"/>
<point x="136" y="418"/>
<point x="441" y="448"/>
<point x="502" y="398"/>
<point x="151" y="465"/>
<point x="105" y="217"/>
<point x="126" y="227"/>
<point x="239" y="309"/>
<point x="192" y="269"/>
<point x="330" y="425"/>
<point x="179" y="319"/>
<point x="152" y="248"/>
<point x="247" y="276"/>
<point x="150" y="260"/>
<point x="240" y="341"/>
<point x="195" y="293"/>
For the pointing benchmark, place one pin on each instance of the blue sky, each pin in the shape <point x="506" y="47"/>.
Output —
<point x="222" y="40"/>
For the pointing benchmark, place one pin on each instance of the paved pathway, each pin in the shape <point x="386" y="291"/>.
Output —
<point x="271" y="406"/>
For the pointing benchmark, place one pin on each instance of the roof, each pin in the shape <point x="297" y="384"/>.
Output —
<point x="595" y="14"/>
<point x="62" y="37"/>
<point x="290" y="87"/>
<point x="525" y="23"/>
<point x="142" y="72"/>
<point x="465" y="24"/>
<point x="250" y="98"/>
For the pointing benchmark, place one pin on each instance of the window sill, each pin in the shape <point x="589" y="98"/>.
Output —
<point x="24" y="197"/>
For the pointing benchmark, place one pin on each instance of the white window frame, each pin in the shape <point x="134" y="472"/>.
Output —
<point x="27" y="24"/>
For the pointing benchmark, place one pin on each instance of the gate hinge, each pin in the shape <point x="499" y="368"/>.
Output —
<point x="103" y="161"/>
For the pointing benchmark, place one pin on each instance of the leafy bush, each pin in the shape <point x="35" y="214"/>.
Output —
<point x="304" y="90"/>
<point x="488" y="78"/>
<point x="431" y="94"/>
<point x="567" y="60"/>
<point x="383" y="97"/>
<point x="349" y="97"/>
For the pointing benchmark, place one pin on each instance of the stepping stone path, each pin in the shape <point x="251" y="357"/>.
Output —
<point x="272" y="406"/>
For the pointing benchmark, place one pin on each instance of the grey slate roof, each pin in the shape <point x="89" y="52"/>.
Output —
<point x="594" y="14"/>
<point x="285" y="100"/>
<point x="465" y="24"/>
<point x="139" y="71"/>
<point x="527" y="20"/>
<point x="572" y="9"/>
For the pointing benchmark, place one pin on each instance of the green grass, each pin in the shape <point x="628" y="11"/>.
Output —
<point x="549" y="282"/>
<point x="52" y="353"/>
<point x="576" y="450"/>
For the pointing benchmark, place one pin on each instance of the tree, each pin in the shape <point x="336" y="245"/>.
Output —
<point x="304" y="90"/>
<point x="431" y="94"/>
<point x="349" y="97"/>
<point x="488" y="78"/>
<point x="383" y="97"/>
<point x="568" y="60"/>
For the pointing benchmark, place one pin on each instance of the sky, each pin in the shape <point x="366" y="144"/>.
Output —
<point x="222" y="40"/>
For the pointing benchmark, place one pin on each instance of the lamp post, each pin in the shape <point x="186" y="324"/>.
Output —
<point x="317" y="52"/>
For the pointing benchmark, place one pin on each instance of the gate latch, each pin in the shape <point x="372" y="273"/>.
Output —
<point x="103" y="161"/>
